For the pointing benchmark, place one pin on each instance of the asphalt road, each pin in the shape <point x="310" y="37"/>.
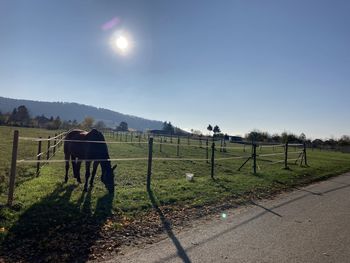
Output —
<point x="310" y="224"/>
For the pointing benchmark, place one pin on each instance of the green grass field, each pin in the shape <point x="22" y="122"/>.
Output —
<point x="44" y="202"/>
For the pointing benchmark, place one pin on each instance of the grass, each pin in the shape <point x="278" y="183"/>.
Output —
<point x="26" y="149"/>
<point x="47" y="207"/>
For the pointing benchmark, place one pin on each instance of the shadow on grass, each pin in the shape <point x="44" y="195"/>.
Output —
<point x="57" y="230"/>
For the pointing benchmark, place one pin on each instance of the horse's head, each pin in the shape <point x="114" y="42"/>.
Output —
<point x="108" y="178"/>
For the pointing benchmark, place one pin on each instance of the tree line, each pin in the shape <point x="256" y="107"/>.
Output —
<point x="20" y="117"/>
<point x="260" y="136"/>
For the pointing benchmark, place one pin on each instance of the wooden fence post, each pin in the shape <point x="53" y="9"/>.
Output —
<point x="13" y="168"/>
<point x="188" y="140"/>
<point x="207" y="151"/>
<point x="48" y="148"/>
<point x="212" y="160"/>
<point x="254" y="158"/>
<point x="178" y="147"/>
<point x="54" y="144"/>
<point x="149" y="170"/>
<point x="286" y="156"/>
<point x="38" y="158"/>
<point x="160" y="144"/>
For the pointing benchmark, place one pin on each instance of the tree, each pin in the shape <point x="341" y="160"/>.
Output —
<point x="57" y="123"/>
<point x="216" y="130"/>
<point x="23" y="115"/>
<point x="344" y="140"/>
<point x="302" y="137"/>
<point x="2" y="119"/>
<point x="19" y="116"/>
<point x="123" y="126"/>
<point x="100" y="125"/>
<point x="168" y="127"/>
<point x="276" y="137"/>
<point x="13" y="117"/>
<point x="88" y="122"/>
<point x="75" y="123"/>
<point x="209" y="128"/>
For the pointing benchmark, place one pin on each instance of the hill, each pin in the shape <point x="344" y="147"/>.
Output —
<point x="74" y="111"/>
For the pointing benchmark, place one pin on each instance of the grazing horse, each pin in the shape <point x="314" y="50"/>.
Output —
<point x="90" y="146"/>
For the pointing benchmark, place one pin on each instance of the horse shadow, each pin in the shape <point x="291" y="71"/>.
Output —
<point x="57" y="229"/>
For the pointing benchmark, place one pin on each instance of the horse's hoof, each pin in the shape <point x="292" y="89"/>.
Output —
<point x="79" y="181"/>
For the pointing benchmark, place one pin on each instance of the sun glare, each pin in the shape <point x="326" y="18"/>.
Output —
<point x="122" y="43"/>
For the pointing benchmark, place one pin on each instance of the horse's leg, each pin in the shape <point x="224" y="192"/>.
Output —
<point x="66" y="157"/>
<point x="87" y="174"/>
<point x="94" y="169"/>
<point x="78" y="171"/>
<point x="74" y="166"/>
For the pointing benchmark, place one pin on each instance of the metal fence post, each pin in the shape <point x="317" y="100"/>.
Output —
<point x="13" y="168"/>
<point x="304" y="152"/>
<point x="149" y="170"/>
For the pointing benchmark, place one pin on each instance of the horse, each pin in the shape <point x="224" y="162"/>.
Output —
<point x="89" y="146"/>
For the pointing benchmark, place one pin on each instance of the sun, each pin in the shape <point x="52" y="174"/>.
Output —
<point x="122" y="43"/>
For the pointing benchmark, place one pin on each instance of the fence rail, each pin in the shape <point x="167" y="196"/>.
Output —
<point x="53" y="143"/>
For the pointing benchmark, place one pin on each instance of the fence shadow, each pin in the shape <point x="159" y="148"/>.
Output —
<point x="167" y="227"/>
<point x="56" y="229"/>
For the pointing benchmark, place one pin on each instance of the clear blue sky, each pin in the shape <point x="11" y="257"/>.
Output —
<point x="269" y="65"/>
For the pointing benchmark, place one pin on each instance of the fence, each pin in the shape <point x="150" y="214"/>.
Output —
<point x="225" y="152"/>
<point x="49" y="153"/>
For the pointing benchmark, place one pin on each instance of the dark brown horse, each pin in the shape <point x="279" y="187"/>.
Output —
<point x="89" y="146"/>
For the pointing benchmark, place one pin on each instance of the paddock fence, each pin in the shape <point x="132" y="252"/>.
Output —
<point x="149" y="149"/>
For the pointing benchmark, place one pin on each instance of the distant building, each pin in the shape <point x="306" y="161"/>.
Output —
<point x="235" y="139"/>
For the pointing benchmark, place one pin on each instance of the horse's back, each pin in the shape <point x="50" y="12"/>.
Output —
<point x="96" y="150"/>
<point x="74" y="148"/>
<point x="88" y="149"/>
